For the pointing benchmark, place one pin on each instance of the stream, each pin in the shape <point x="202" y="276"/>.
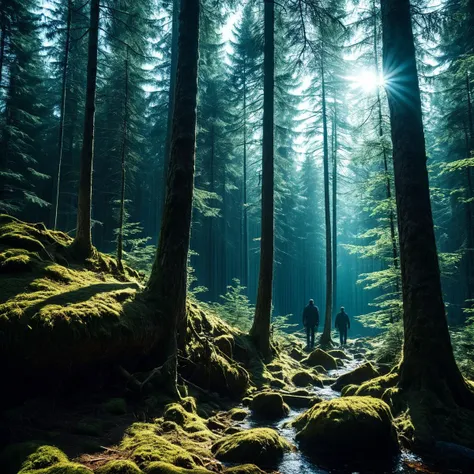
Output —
<point x="297" y="463"/>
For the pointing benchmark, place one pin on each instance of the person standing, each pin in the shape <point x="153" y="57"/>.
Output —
<point x="310" y="322"/>
<point x="342" y="325"/>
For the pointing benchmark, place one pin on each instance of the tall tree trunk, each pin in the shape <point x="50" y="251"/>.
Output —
<point x="428" y="360"/>
<point x="245" y="236"/>
<point x="2" y="46"/>
<point x="172" y="92"/>
<point x="122" y="175"/>
<point x="211" y="252"/>
<point x="334" y="206"/>
<point x="261" y="325"/>
<point x="82" y="244"/>
<point x="167" y="287"/>
<point x="62" y="114"/>
<point x="388" y="186"/>
<point x="469" y="204"/>
<point x="326" y="335"/>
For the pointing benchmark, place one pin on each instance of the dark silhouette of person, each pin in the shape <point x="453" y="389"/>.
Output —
<point x="342" y="325"/>
<point x="310" y="322"/>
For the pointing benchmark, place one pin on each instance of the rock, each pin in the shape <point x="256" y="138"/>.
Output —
<point x="319" y="357"/>
<point x="300" y="401"/>
<point x="269" y="405"/>
<point x="348" y="430"/>
<point x="358" y="355"/>
<point x="337" y="353"/>
<point x="275" y="368"/>
<point x="355" y="377"/>
<point x="297" y="354"/>
<point x="319" y="369"/>
<point x="232" y="430"/>
<point x="238" y="414"/>
<point x="226" y="344"/>
<point x="165" y="468"/>
<point x="215" y="425"/>
<point x="244" y="469"/>
<point x="302" y="378"/>
<point x="119" y="467"/>
<point x="279" y="384"/>
<point x="261" y="446"/>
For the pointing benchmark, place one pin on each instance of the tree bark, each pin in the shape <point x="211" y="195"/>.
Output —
<point x="326" y="335"/>
<point x="122" y="171"/>
<point x="62" y="113"/>
<point x="82" y="244"/>
<point x="428" y="360"/>
<point x="245" y="236"/>
<point x="172" y="92"/>
<point x="469" y="204"/>
<point x="388" y="185"/>
<point x="2" y="46"/>
<point x="260" y="331"/>
<point x="167" y="287"/>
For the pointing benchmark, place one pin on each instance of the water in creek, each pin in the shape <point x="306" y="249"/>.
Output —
<point x="297" y="463"/>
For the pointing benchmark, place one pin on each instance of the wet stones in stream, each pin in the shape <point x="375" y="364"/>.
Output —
<point x="322" y="358"/>
<point x="269" y="406"/>
<point x="357" y="376"/>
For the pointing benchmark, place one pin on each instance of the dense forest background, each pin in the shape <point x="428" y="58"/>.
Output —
<point x="335" y="217"/>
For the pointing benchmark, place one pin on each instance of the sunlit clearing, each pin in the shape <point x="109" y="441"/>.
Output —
<point x="366" y="80"/>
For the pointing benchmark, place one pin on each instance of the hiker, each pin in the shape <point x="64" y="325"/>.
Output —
<point x="342" y="325"/>
<point x="311" y="322"/>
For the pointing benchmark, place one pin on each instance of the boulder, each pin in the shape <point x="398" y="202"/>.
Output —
<point x="166" y="468"/>
<point x="319" y="357"/>
<point x="226" y="344"/>
<point x="302" y="378"/>
<point x="355" y="377"/>
<point x="269" y="405"/>
<point x="244" y="469"/>
<point x="238" y="414"/>
<point x="337" y="353"/>
<point x="300" y="401"/>
<point x="348" y="430"/>
<point x="261" y="446"/>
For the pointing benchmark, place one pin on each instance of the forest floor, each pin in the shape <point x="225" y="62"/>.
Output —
<point x="77" y="349"/>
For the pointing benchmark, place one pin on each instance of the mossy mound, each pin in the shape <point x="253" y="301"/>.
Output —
<point x="144" y="443"/>
<point x="261" y="446"/>
<point x="119" y="467"/>
<point x="348" y="430"/>
<point x="303" y="378"/>
<point x="297" y="354"/>
<point x="382" y="387"/>
<point x="357" y="376"/>
<point x="188" y="421"/>
<point x="238" y="414"/>
<point x="244" y="469"/>
<point x="319" y="357"/>
<point x="51" y="460"/>
<point x="55" y="314"/>
<point x="226" y="344"/>
<point x="269" y="405"/>
<point x="13" y="455"/>
<point x="300" y="401"/>
<point x="338" y="354"/>
<point x="166" y="468"/>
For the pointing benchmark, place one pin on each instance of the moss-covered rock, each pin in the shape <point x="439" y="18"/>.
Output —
<point x="166" y="468"/>
<point x="348" y="430"/>
<point x="269" y="405"/>
<point x="355" y="377"/>
<point x="261" y="446"/>
<point x="319" y="357"/>
<point x="51" y="460"/>
<point x="238" y="414"/>
<point x="13" y="455"/>
<point x="189" y="421"/>
<point x="119" y="467"/>
<point x="338" y="354"/>
<point x="244" y="469"/>
<point x="379" y="387"/>
<point x="226" y="344"/>
<point x="145" y="444"/>
<point x="115" y="406"/>
<point x="303" y="378"/>
<point x="300" y="401"/>
<point x="297" y="354"/>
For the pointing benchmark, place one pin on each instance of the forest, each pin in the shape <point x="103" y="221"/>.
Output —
<point x="180" y="180"/>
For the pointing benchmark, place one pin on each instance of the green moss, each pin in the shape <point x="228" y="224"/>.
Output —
<point x="145" y="443"/>
<point x="303" y="378"/>
<point x="61" y="468"/>
<point x="238" y="414"/>
<point x="189" y="421"/>
<point x="165" y="468"/>
<point x="269" y="405"/>
<point x="338" y="354"/>
<point x="379" y="387"/>
<point x="348" y="429"/>
<point x="357" y="376"/>
<point x="260" y="446"/>
<point x="319" y="357"/>
<point x="115" y="406"/>
<point x="44" y="456"/>
<point x="225" y="343"/>
<point x="119" y="467"/>
<point x="244" y="469"/>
